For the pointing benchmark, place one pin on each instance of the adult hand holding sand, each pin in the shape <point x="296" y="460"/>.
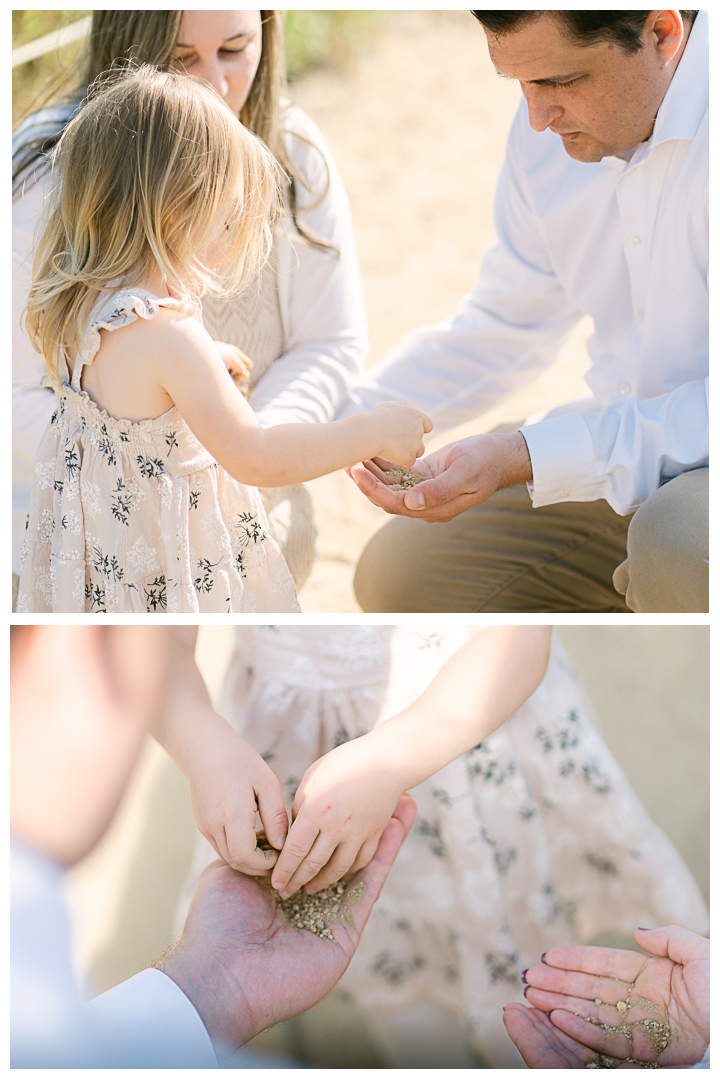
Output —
<point x="618" y="1008"/>
<point x="460" y="475"/>
<point x="244" y="969"/>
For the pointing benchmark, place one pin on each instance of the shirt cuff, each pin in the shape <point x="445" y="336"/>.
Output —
<point x="155" y="1022"/>
<point x="563" y="460"/>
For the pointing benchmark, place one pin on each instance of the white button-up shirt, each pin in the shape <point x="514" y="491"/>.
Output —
<point x="146" y="1022"/>
<point x="624" y="241"/>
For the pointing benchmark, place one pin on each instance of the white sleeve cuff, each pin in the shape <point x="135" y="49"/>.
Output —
<point x="155" y="1022"/>
<point x="563" y="460"/>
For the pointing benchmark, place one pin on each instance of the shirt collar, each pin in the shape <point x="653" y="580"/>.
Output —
<point x="686" y="99"/>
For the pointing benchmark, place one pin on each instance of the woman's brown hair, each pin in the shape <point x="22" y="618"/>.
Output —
<point x="150" y="37"/>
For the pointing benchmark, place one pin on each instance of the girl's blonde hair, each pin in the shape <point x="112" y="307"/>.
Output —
<point x="153" y="171"/>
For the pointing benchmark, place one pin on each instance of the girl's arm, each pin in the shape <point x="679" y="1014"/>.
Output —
<point x="228" y="780"/>
<point x="347" y="797"/>
<point x="188" y="367"/>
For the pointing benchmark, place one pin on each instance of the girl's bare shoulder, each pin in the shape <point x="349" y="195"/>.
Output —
<point x="171" y="332"/>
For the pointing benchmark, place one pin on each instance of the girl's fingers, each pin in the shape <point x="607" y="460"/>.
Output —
<point x="272" y="813"/>
<point x="365" y="854"/>
<point x="299" y="840"/>
<point x="341" y="862"/>
<point x="317" y="857"/>
<point x="243" y="854"/>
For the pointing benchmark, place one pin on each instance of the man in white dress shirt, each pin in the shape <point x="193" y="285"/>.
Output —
<point x="601" y="210"/>
<point x="82" y="698"/>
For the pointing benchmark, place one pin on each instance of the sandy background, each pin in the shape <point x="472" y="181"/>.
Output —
<point x="418" y="129"/>
<point x="649" y="686"/>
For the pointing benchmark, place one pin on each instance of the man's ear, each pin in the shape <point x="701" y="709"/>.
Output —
<point x="667" y="32"/>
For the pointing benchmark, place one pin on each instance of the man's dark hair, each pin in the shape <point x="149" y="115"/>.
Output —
<point x="623" y="28"/>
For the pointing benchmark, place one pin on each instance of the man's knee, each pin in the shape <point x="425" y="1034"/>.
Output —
<point x="667" y="564"/>
<point x="383" y="579"/>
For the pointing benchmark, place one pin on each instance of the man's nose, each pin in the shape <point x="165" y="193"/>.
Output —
<point x="541" y="111"/>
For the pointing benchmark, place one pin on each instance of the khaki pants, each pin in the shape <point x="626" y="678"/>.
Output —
<point x="505" y="556"/>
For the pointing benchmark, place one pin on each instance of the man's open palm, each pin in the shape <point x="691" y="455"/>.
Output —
<point x="244" y="969"/>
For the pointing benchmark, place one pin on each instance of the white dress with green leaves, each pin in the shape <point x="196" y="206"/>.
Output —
<point x="139" y="517"/>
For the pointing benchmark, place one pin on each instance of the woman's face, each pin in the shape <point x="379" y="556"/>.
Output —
<point x="222" y="48"/>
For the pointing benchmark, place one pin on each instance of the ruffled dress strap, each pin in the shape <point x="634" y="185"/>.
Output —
<point x="118" y="310"/>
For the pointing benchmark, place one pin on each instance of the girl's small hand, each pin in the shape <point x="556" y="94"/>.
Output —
<point x="401" y="431"/>
<point x="229" y="781"/>
<point x="238" y="364"/>
<point x="343" y="804"/>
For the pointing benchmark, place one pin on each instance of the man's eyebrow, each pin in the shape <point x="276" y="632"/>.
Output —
<point x="550" y="81"/>
<point x="245" y="33"/>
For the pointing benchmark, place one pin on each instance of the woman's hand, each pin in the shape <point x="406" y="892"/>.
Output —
<point x="401" y="429"/>
<point x="229" y="781"/>
<point x="343" y="804"/>
<point x="238" y="364"/>
<point x="662" y="1000"/>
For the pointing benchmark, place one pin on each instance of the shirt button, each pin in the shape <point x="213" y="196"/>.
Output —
<point x="641" y="314"/>
<point x="624" y="388"/>
<point x="634" y="241"/>
<point x="563" y="493"/>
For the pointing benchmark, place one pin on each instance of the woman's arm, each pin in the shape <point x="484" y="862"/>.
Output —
<point x="320" y="294"/>
<point x="347" y="797"/>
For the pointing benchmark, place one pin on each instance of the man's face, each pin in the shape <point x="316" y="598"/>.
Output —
<point x="600" y="100"/>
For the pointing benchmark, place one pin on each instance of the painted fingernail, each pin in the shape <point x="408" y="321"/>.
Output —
<point x="522" y="976"/>
<point x="415" y="500"/>
<point x="645" y="928"/>
<point x="525" y="990"/>
<point x="542" y="958"/>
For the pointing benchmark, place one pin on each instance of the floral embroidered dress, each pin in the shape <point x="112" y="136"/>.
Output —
<point x="532" y="839"/>
<point x="139" y="517"/>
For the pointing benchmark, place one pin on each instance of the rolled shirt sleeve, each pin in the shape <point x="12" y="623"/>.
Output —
<point x="621" y="454"/>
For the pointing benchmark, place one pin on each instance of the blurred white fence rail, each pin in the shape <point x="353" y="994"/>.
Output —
<point x="50" y="42"/>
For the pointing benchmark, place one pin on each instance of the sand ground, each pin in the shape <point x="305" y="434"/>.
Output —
<point x="649" y="686"/>
<point x="418" y="128"/>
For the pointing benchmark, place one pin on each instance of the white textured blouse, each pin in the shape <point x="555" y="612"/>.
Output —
<point x="623" y="241"/>
<point x="316" y="321"/>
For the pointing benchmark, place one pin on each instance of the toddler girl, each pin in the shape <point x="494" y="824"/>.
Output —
<point x="139" y="499"/>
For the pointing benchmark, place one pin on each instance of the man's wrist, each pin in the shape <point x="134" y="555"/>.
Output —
<point x="202" y="983"/>
<point x="516" y="459"/>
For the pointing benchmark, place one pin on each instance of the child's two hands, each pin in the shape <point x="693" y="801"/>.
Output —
<point x="341" y="808"/>
<point x="401" y="429"/>
<point x="228" y="782"/>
